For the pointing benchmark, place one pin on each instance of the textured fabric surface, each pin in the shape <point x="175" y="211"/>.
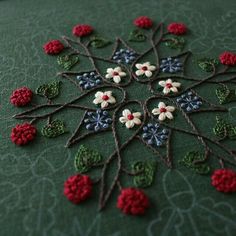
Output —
<point x="31" y="177"/>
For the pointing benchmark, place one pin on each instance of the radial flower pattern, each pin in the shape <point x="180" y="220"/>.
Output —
<point x="171" y="65"/>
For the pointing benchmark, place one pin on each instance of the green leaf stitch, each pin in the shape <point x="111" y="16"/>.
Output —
<point x="175" y="43"/>
<point x="137" y="36"/>
<point x="50" y="90"/>
<point x="54" y="129"/>
<point x="207" y="64"/>
<point x="67" y="61"/>
<point x="225" y="95"/>
<point x="98" y="42"/>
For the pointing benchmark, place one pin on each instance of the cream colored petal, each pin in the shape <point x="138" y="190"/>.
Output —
<point x="169" y="81"/>
<point x="146" y="63"/>
<point x="126" y="112"/>
<point x="117" y="69"/>
<point x="148" y="73"/>
<point x="104" y="104"/>
<point x="162" y="116"/>
<point x="151" y="68"/>
<point x="123" y="119"/>
<point x="122" y="74"/>
<point x="138" y="66"/>
<point x="137" y="121"/>
<point x="117" y="79"/>
<point x="139" y="72"/>
<point x="170" y="108"/>
<point x="156" y="111"/>
<point x="97" y="100"/>
<point x="111" y="100"/>
<point x="129" y="124"/>
<point x="166" y="90"/>
<point x="169" y="115"/>
<point x="108" y="93"/>
<point x="174" y="89"/>
<point x="161" y="105"/>
<point x="162" y="83"/>
<point x="110" y="71"/>
<point x="137" y="114"/>
<point x="176" y="84"/>
<point x="109" y="76"/>
<point x="98" y="94"/>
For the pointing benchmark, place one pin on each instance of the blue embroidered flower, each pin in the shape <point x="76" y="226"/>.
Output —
<point x="98" y="120"/>
<point x="89" y="80"/>
<point x="154" y="134"/>
<point x="171" y="65"/>
<point x="189" y="101"/>
<point x="125" y="56"/>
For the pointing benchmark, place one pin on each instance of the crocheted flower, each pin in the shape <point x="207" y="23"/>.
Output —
<point x="22" y="134"/>
<point x="98" y="120"/>
<point x="228" y="58"/>
<point x="143" y="22"/>
<point x="81" y="30"/>
<point x="130" y="119"/>
<point x="177" y="28"/>
<point x="144" y="69"/>
<point x="163" y="111"/>
<point x="78" y="188"/>
<point x="169" y="86"/>
<point x="154" y="134"/>
<point x="132" y="201"/>
<point x="104" y="98"/>
<point x="125" y="56"/>
<point x="224" y="180"/>
<point x="89" y="80"/>
<point x="116" y="74"/>
<point x="53" y="47"/>
<point x="171" y="65"/>
<point x="21" y="97"/>
<point x="189" y="101"/>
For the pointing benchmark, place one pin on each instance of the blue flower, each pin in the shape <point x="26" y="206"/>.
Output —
<point x="98" y="120"/>
<point x="154" y="134"/>
<point x="189" y="101"/>
<point x="125" y="56"/>
<point x="171" y="65"/>
<point x="89" y="80"/>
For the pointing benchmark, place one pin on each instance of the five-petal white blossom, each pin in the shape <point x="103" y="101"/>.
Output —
<point x="169" y="86"/>
<point x="163" y="111"/>
<point x="144" y="69"/>
<point x="104" y="98"/>
<point x="116" y="74"/>
<point x="130" y="119"/>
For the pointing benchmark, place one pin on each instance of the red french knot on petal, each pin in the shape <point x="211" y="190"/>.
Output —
<point x="130" y="117"/>
<point x="144" y="68"/>
<point x="21" y="97"/>
<point x="228" y="58"/>
<point x="81" y="30"/>
<point x="162" y="109"/>
<point x="143" y="22"/>
<point x="22" y="134"/>
<point x="53" y="47"/>
<point x="132" y="201"/>
<point x="224" y="180"/>
<point x="105" y="97"/>
<point x="78" y="188"/>
<point x="115" y="73"/>
<point x="177" y="28"/>
<point x="169" y="85"/>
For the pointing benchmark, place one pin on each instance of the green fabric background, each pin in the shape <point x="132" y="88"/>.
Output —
<point x="31" y="178"/>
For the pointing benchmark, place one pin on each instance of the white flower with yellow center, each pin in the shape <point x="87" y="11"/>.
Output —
<point x="116" y="74"/>
<point x="130" y="119"/>
<point x="104" y="98"/>
<point x="169" y="86"/>
<point x="163" y="111"/>
<point x="144" y="69"/>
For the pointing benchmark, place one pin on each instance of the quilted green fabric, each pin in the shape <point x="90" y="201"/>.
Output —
<point x="32" y="177"/>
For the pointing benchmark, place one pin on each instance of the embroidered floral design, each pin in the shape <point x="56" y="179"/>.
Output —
<point x="21" y="97"/>
<point x="115" y="74"/>
<point x="130" y="119"/>
<point x="177" y="28"/>
<point x="144" y="69"/>
<point x="163" y="111"/>
<point x="124" y="56"/>
<point x="171" y="65"/>
<point x="82" y="30"/>
<point x="143" y="22"/>
<point x="53" y="47"/>
<point x="89" y="80"/>
<point x="104" y="98"/>
<point x="169" y="86"/>
<point x="228" y="58"/>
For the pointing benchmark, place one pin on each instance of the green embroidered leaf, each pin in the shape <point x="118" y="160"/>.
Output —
<point x="190" y="158"/>
<point x="86" y="158"/>
<point x="54" y="129"/>
<point x="50" y="90"/>
<point x="175" y="43"/>
<point x="98" y="42"/>
<point x="145" y="173"/>
<point x="207" y="64"/>
<point x="225" y="95"/>
<point x="67" y="61"/>
<point x="137" y="36"/>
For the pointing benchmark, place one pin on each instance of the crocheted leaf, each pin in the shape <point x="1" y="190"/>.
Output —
<point x="207" y="64"/>
<point x="50" y="90"/>
<point x="67" y="61"/>
<point x="199" y="167"/>
<point x="145" y="172"/>
<point x="98" y="42"/>
<point x="54" y="129"/>
<point x="86" y="158"/>
<point x="175" y="43"/>
<point x="225" y="95"/>
<point x="137" y="36"/>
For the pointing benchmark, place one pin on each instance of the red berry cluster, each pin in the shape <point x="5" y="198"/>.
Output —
<point x="21" y="97"/>
<point x="143" y="22"/>
<point x="78" y="188"/>
<point x="82" y="30"/>
<point x="21" y="134"/>
<point x="224" y="180"/>
<point x="177" y="28"/>
<point x="228" y="58"/>
<point x="53" y="47"/>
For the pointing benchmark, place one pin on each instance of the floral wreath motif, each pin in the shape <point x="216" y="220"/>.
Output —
<point x="153" y="127"/>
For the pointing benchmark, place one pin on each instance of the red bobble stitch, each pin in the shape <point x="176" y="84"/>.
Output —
<point x="53" y="47"/>
<point x="228" y="58"/>
<point x="21" y="97"/>
<point x="21" y="134"/>
<point x="224" y="180"/>
<point x="177" y="28"/>
<point x="82" y="30"/>
<point x="78" y="188"/>
<point x="143" y="22"/>
<point x="132" y="201"/>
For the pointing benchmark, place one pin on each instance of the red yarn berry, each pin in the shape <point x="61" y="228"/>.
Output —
<point x="78" y="188"/>
<point x="143" y="22"/>
<point x="21" y="97"/>
<point x="228" y="58"/>
<point x="53" y="47"/>
<point x="177" y="28"/>
<point x="82" y="30"/>
<point x="132" y="201"/>
<point x="22" y="134"/>
<point x="224" y="180"/>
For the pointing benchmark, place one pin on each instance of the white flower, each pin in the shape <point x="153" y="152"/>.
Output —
<point x="104" y="98"/>
<point x="169" y="86"/>
<point x="130" y="119"/>
<point x="144" y="68"/>
<point x="163" y="111"/>
<point x="116" y="74"/>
